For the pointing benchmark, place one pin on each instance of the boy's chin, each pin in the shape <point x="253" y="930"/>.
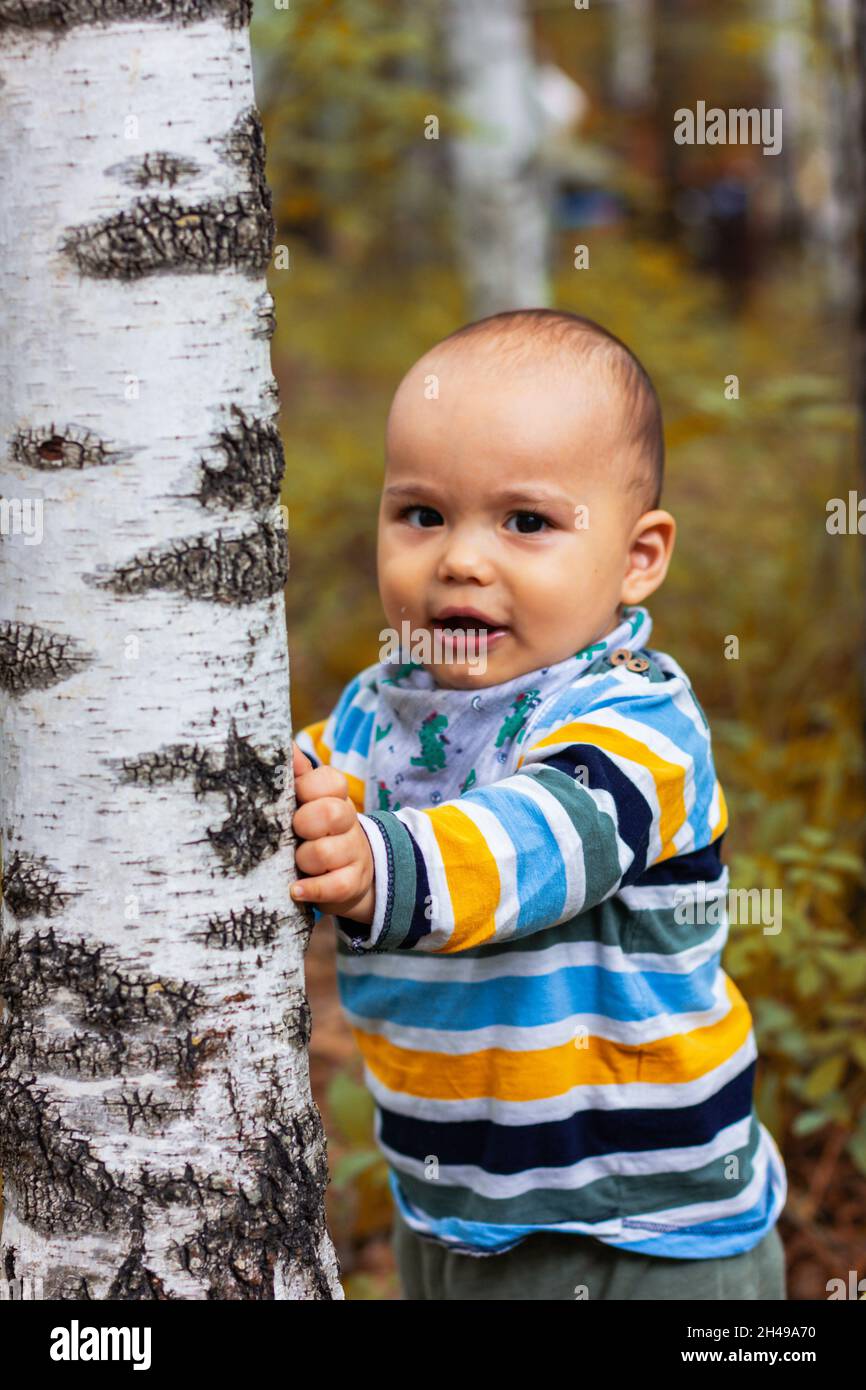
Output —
<point x="471" y="674"/>
<point x="463" y="676"/>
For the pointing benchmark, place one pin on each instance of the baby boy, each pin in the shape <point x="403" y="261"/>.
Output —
<point x="521" y="854"/>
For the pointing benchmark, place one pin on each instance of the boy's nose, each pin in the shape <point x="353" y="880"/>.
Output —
<point x="465" y="556"/>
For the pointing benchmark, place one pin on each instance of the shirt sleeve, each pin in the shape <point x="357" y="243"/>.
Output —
<point x="342" y="741"/>
<point x="618" y="786"/>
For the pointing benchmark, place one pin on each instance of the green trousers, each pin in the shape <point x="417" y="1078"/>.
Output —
<point x="554" y="1265"/>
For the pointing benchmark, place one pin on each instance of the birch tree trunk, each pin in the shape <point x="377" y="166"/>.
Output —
<point x="859" y="141"/>
<point x="158" y="1137"/>
<point x="502" y="197"/>
<point x="631" y="69"/>
<point x="789" y="90"/>
<point x="836" y="215"/>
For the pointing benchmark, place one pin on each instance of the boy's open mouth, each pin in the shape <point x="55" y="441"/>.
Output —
<point x="467" y="620"/>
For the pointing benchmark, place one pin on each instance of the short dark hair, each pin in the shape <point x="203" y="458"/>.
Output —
<point x="520" y="331"/>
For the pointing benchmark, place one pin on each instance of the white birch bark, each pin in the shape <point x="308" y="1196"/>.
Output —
<point x="501" y="194"/>
<point x="158" y="1138"/>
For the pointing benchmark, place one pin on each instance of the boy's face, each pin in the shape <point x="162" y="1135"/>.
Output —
<point x="505" y="495"/>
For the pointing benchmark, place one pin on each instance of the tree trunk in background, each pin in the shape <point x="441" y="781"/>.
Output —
<point x="631" y="69"/>
<point x="668" y="65"/>
<point x="501" y="196"/>
<point x="788" y="89"/>
<point x="836" y="214"/>
<point x="417" y="239"/>
<point x="157" y="1132"/>
<point x="859" y="143"/>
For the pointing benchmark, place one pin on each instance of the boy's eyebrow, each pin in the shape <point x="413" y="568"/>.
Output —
<point x="535" y="493"/>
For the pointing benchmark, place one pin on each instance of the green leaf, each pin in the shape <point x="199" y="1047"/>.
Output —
<point x="809" y="978"/>
<point x="856" y="1147"/>
<point x="816" y="836"/>
<point x="841" y="859"/>
<point x="349" y="1166"/>
<point x="771" y="1015"/>
<point x="352" y="1108"/>
<point x="825" y="1077"/>
<point x="828" y="882"/>
<point x="794" y="854"/>
<point x="808" y="1121"/>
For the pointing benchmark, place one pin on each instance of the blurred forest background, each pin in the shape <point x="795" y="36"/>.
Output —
<point x="555" y="131"/>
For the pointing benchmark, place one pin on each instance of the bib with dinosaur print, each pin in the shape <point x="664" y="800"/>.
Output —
<point x="432" y="743"/>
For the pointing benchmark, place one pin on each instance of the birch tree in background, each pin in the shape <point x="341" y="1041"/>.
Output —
<point x="501" y="196"/>
<point x="836" y="214"/>
<point x="859" y="197"/>
<point x="158" y="1138"/>
<point x="631" y="68"/>
<point x="789" y="82"/>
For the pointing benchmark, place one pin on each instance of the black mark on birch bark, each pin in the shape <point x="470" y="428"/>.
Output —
<point x="237" y="1251"/>
<point x="299" y="1022"/>
<point x="252" y="465"/>
<point x="157" y="167"/>
<point x="67" y="1285"/>
<point x="61" y="15"/>
<point x="32" y="658"/>
<point x="195" y="1049"/>
<point x="266" y="318"/>
<point x="244" y="146"/>
<point x="241" y="930"/>
<point x="70" y="447"/>
<point x="60" y="1185"/>
<point x="134" y="1282"/>
<point x="155" y="235"/>
<point x="33" y="967"/>
<point x="103" y="1054"/>
<point x="216" y="569"/>
<point x="31" y="887"/>
<point x="248" y="782"/>
<point x="108" y="1053"/>
<point x="152" y="1114"/>
<point x="191" y="1189"/>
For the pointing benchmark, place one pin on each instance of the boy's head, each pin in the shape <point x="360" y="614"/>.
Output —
<point x="523" y="471"/>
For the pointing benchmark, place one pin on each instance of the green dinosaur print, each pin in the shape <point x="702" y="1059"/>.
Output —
<point x="589" y="651"/>
<point x="400" y="673"/>
<point x="380" y="733"/>
<point x="470" y="781"/>
<point x="517" y="718"/>
<point x="385" y="795"/>
<point x="432" y="743"/>
<point x="634" y="619"/>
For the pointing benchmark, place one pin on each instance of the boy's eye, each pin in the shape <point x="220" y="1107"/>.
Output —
<point x="533" y="517"/>
<point x="431" y="511"/>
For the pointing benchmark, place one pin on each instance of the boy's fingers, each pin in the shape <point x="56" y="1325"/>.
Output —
<point x="300" y="762"/>
<point x="328" y="853"/>
<point x="326" y="815"/>
<point x="321" y="781"/>
<point x="339" y="886"/>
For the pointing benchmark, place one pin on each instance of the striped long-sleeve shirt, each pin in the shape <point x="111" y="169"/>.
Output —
<point x="546" y="1027"/>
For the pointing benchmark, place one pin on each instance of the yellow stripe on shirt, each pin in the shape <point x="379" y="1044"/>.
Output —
<point x="497" y="1074"/>
<point x="471" y="873"/>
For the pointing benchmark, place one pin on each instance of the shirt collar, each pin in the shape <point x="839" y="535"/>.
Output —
<point x="632" y="632"/>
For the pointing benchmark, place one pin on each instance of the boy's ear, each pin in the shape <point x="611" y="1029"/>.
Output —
<point x="650" y="549"/>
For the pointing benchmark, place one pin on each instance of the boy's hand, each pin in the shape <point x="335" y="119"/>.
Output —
<point x="336" y="851"/>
